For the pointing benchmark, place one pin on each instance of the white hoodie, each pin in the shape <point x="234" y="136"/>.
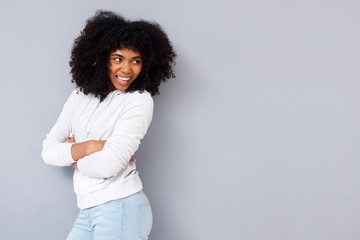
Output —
<point x="121" y="119"/>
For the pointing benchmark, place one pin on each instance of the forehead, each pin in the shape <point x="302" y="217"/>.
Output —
<point x="126" y="52"/>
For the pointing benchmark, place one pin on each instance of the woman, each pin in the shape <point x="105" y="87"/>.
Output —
<point x="116" y="65"/>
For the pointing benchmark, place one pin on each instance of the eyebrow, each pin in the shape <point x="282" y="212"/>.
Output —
<point x="118" y="55"/>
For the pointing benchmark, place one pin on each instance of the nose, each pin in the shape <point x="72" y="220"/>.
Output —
<point x="125" y="67"/>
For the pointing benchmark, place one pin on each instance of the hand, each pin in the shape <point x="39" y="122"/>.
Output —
<point x="96" y="145"/>
<point x="74" y="165"/>
<point x="70" y="140"/>
<point x="80" y="150"/>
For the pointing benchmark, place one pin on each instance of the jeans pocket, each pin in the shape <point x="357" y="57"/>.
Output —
<point x="145" y="220"/>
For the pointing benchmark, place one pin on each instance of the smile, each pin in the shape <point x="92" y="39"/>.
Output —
<point x="123" y="78"/>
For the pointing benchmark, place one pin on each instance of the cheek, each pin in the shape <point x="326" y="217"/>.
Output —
<point x="111" y="69"/>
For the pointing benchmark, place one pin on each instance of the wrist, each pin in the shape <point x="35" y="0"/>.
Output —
<point x="90" y="146"/>
<point x="80" y="150"/>
<point x="93" y="146"/>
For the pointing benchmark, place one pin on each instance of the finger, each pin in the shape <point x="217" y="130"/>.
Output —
<point x="70" y="140"/>
<point x="74" y="165"/>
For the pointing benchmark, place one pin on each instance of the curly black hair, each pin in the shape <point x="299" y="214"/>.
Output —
<point x="107" y="32"/>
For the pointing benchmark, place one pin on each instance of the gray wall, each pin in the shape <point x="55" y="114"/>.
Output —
<point x="256" y="138"/>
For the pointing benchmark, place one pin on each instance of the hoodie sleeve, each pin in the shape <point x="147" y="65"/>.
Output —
<point x="129" y="129"/>
<point x="55" y="151"/>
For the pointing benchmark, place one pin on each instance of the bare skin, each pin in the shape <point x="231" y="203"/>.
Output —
<point x="80" y="150"/>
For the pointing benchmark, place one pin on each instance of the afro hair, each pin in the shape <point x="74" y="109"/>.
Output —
<point x="107" y="32"/>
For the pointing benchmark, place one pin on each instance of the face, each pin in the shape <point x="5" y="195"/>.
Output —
<point x="124" y="67"/>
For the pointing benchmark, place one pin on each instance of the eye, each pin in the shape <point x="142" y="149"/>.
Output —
<point x="117" y="59"/>
<point x="137" y="61"/>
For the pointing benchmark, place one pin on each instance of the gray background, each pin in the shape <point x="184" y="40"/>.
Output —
<point x="256" y="138"/>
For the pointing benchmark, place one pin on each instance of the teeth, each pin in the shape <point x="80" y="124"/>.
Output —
<point x="123" y="78"/>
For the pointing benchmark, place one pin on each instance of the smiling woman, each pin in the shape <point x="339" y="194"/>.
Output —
<point x="116" y="65"/>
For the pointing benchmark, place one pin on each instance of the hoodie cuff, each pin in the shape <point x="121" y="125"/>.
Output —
<point x="67" y="156"/>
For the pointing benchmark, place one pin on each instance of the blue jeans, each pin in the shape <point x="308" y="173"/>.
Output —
<point x="128" y="218"/>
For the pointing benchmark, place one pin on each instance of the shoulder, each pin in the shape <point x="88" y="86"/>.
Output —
<point x="141" y="96"/>
<point x="76" y="99"/>
<point x="77" y="96"/>
<point x="137" y="98"/>
<point x="142" y="100"/>
<point x="72" y="98"/>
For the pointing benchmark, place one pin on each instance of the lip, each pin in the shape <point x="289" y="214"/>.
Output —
<point x="124" y="81"/>
<point x="123" y="78"/>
